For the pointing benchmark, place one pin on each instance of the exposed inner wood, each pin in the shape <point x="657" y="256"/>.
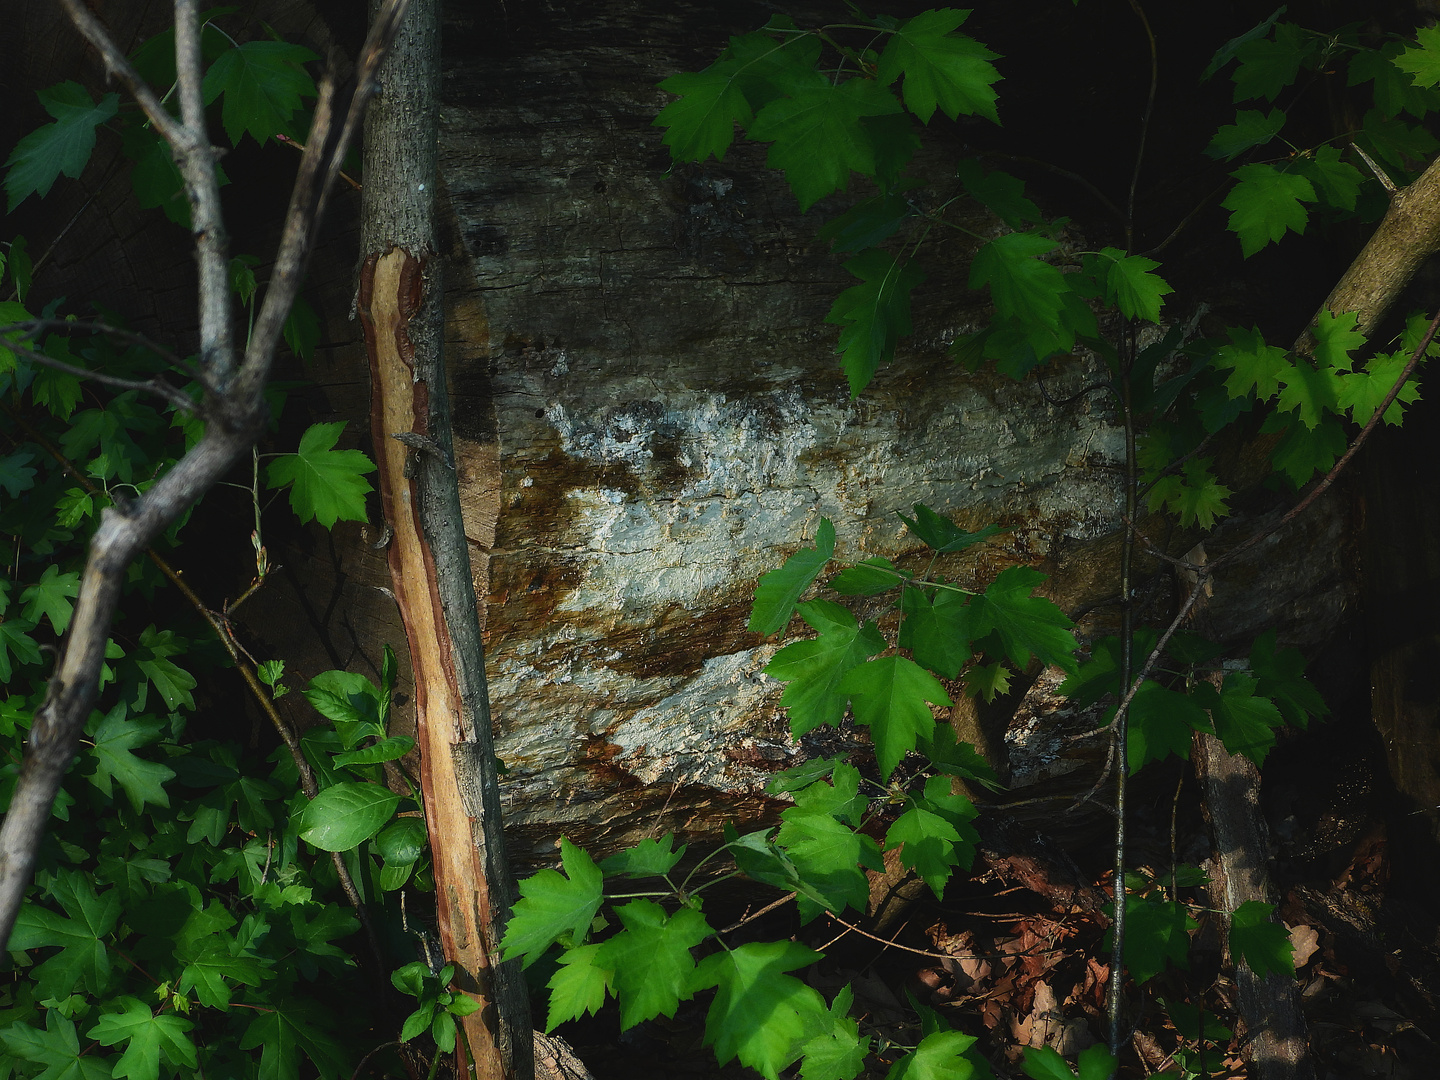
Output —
<point x="390" y="294"/>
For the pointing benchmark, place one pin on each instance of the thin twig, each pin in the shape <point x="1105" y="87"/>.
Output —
<point x="157" y="386"/>
<point x="850" y="928"/>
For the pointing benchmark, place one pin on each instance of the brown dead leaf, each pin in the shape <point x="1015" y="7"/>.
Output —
<point x="1305" y="940"/>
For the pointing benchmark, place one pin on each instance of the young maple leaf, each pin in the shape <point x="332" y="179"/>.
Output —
<point x="889" y="697"/>
<point x="1338" y="182"/>
<point x="578" y="986"/>
<point x="1336" y="338"/>
<point x="1310" y="391"/>
<point x="1267" y="66"/>
<point x="817" y="136"/>
<point x="1251" y="129"/>
<point x="1157" y="932"/>
<point x="552" y="907"/>
<point x="1264" y="203"/>
<point x="1421" y="61"/>
<point x="651" y="959"/>
<point x="1130" y="283"/>
<point x="780" y="589"/>
<point x="942" y="68"/>
<point x="1025" y="623"/>
<point x="263" y="84"/>
<point x="62" y="147"/>
<point x="702" y="122"/>
<point x="759" y="1012"/>
<point x="1253" y="364"/>
<point x="328" y="485"/>
<point x="1361" y="392"/>
<point x="1023" y="285"/>
<point x="873" y="315"/>
<point x="1260" y="940"/>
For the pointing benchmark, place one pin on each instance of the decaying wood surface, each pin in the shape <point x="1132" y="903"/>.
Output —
<point x="1274" y="1041"/>
<point x="401" y="308"/>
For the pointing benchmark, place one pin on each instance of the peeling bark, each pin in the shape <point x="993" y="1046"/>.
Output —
<point x="401" y="309"/>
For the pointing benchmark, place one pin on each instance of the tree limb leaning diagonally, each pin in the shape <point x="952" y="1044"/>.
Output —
<point x="234" y="408"/>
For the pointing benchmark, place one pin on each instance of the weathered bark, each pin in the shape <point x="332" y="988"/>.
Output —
<point x="1274" y="1040"/>
<point x="401" y="306"/>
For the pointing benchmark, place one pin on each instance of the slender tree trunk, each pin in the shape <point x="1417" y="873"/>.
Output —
<point x="401" y="306"/>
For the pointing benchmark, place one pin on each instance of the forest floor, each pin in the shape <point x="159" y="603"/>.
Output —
<point x="1017" y="956"/>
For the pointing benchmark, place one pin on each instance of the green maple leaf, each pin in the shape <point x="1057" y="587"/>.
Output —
<point x="1310" y="391"/>
<point x="1002" y="193"/>
<point x="1245" y="722"/>
<point x="1045" y="1063"/>
<point x="1361" y="392"/>
<point x="16" y="643"/>
<point x="1157" y="932"/>
<point x="869" y="578"/>
<point x="942" y="534"/>
<point x="1022" y="285"/>
<point x="1421" y="61"/>
<point x="1395" y="143"/>
<point x="817" y="136"/>
<point x="702" y="121"/>
<point x="146" y="1036"/>
<point x="1025" y="623"/>
<point x="62" y="147"/>
<point x="1251" y="129"/>
<point x="936" y="833"/>
<point x="263" y="84"/>
<point x="815" y="669"/>
<point x="328" y="485"/>
<point x="1195" y="494"/>
<point x="867" y="224"/>
<point x="57" y="1047"/>
<point x="1254" y="365"/>
<point x="1281" y="675"/>
<point x="1262" y="942"/>
<point x="959" y="759"/>
<point x="1162" y="722"/>
<point x="649" y="858"/>
<point x="780" y="590"/>
<point x="836" y="1051"/>
<point x="1130" y="283"/>
<point x="1226" y="52"/>
<point x="578" y="986"/>
<point x="1393" y="90"/>
<point x="889" y="697"/>
<point x="874" y="315"/>
<point x="552" y="907"/>
<point x="50" y="597"/>
<point x="1336" y="338"/>
<point x="988" y="681"/>
<point x="942" y="69"/>
<point x="115" y="736"/>
<point x="759" y="1012"/>
<point x="770" y="68"/>
<point x="651" y="959"/>
<point x="828" y="855"/>
<point x="16" y="476"/>
<point x="1338" y="182"/>
<point x="1100" y="675"/>
<point x="938" y="632"/>
<point x="80" y="934"/>
<point x="1302" y="451"/>
<point x="1265" y="203"/>
<point x="213" y="963"/>
<point x="941" y="1055"/>
<point x="840" y="797"/>
<point x="172" y="682"/>
<point x="283" y="1035"/>
<point x="1266" y="66"/>
<point x="757" y="857"/>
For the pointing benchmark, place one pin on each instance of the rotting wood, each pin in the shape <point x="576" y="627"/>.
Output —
<point x="1275" y="1044"/>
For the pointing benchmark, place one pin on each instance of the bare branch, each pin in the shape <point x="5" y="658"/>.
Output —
<point x="125" y="531"/>
<point x="157" y="386"/>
